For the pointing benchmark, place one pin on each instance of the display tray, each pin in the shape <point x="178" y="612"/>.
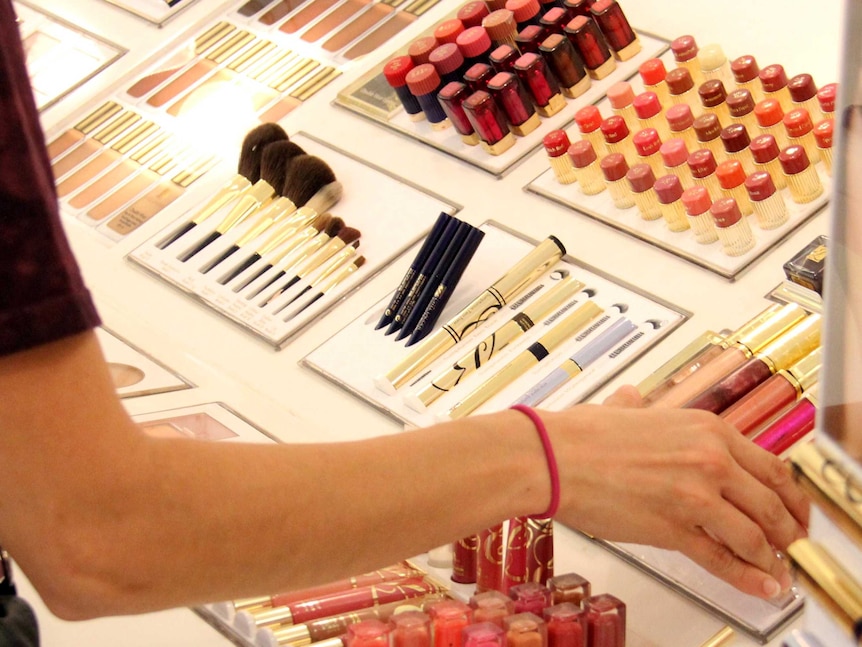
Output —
<point x="389" y="213"/>
<point x="683" y="244"/>
<point x="372" y="97"/>
<point x="60" y="56"/>
<point x="358" y="354"/>
<point x="212" y="421"/>
<point x="134" y="372"/>
<point x="157" y="12"/>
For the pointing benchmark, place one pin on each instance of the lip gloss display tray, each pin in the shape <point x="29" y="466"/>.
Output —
<point x="390" y="214"/>
<point x="354" y="357"/>
<point x="710" y="256"/>
<point x="372" y="97"/>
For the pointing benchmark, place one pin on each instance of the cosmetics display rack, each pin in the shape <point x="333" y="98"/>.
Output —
<point x="656" y="232"/>
<point x="60" y="56"/>
<point x="371" y="96"/>
<point x="157" y="12"/>
<point x="212" y="421"/>
<point x="133" y="371"/>
<point x="358" y="355"/>
<point x="389" y="214"/>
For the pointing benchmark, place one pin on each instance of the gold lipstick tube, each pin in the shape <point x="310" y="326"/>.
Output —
<point x="527" y="359"/>
<point x="476" y="313"/>
<point x="722" y="638"/>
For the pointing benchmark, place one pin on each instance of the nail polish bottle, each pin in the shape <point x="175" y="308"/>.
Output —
<point x="641" y="180"/>
<point x="501" y="27"/>
<point x="713" y="98"/>
<point x="653" y="74"/>
<point x="823" y="137"/>
<point x="620" y="96"/>
<point x="790" y="427"/>
<point x="802" y="178"/>
<point x="775" y="394"/>
<point x="731" y="177"/>
<point x="701" y="165"/>
<point x="367" y="633"/>
<point x="674" y="155"/>
<point x="448" y="61"/>
<point x="477" y="76"/>
<point x="420" y="49"/>
<point x="569" y="587"/>
<point x="616" y="29"/>
<point x="530" y="38"/>
<point x="410" y="629"/>
<point x="525" y="12"/>
<point x="516" y="104"/>
<point x="770" y="119"/>
<point x="484" y="634"/>
<point x="448" y="30"/>
<point x="697" y="203"/>
<point x="618" y="138"/>
<point x="680" y="122"/>
<point x="566" y="65"/>
<point x="708" y="131"/>
<point x="684" y="49"/>
<point x="735" y="140"/>
<point x="472" y="13"/>
<point x="732" y="228"/>
<point x="680" y="88"/>
<point x="530" y="597"/>
<point x="799" y="128"/>
<point x="669" y="192"/>
<point x="567" y="625"/>
<point x="489" y="122"/>
<point x="647" y="143"/>
<point x="745" y="73"/>
<point x="764" y="150"/>
<point x="586" y="166"/>
<point x="492" y="606"/>
<point x="556" y="145"/>
<point x="475" y="45"/>
<point x="740" y="105"/>
<point x="503" y="58"/>
<point x="606" y="621"/>
<point x="526" y="630"/>
<point x="424" y="83"/>
<point x="714" y="64"/>
<point x="614" y="169"/>
<point x="555" y="19"/>
<point x="767" y="202"/>
<point x="540" y="84"/>
<point x="448" y="620"/>
<point x="452" y="97"/>
<point x="826" y="99"/>
<point x="773" y="82"/>
<point x="395" y="72"/>
<point x="589" y="121"/>
<point x="803" y="94"/>
<point x="591" y="45"/>
<point x="648" y="110"/>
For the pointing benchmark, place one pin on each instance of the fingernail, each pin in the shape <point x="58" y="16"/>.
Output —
<point x="771" y="587"/>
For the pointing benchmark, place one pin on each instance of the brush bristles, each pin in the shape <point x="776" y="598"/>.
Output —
<point x="253" y="146"/>
<point x="326" y="197"/>
<point x="305" y="177"/>
<point x="321" y="221"/>
<point x="359" y="262"/>
<point x="349" y="235"/>
<point x="335" y="225"/>
<point x="276" y="162"/>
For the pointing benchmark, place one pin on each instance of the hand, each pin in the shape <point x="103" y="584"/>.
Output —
<point x="679" y="479"/>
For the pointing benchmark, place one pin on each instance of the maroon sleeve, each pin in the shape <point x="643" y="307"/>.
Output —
<point x="42" y="296"/>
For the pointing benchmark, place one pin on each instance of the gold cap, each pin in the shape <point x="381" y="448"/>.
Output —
<point x="722" y="638"/>
<point x="804" y="372"/>
<point x="295" y="635"/>
<point x="759" y="335"/>
<point x="752" y="323"/>
<point x="792" y="345"/>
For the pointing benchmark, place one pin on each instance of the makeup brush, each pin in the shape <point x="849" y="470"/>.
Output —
<point x="273" y="165"/>
<point x="306" y="176"/>
<point x="287" y="231"/>
<point x="325" y="285"/>
<point x="346" y="236"/>
<point x="326" y="269"/>
<point x="248" y="172"/>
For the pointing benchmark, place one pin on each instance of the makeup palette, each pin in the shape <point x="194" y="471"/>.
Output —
<point x="390" y="214"/>
<point x="209" y="421"/>
<point x="685" y="240"/>
<point x="133" y="371"/>
<point x="372" y="96"/>
<point x="157" y="12"/>
<point x="60" y="56"/>
<point x="361" y="359"/>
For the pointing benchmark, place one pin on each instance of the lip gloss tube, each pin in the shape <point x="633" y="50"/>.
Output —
<point x="648" y="144"/>
<point x="669" y="190"/>
<point x="745" y="71"/>
<point x="791" y="426"/>
<point x="540" y="83"/>
<point x="731" y="177"/>
<point x="530" y="38"/>
<point x="606" y="621"/>
<point x="569" y="588"/>
<point x="826" y="99"/>
<point x="674" y="157"/>
<point x="697" y="203"/>
<point x="556" y="145"/>
<point x="773" y="81"/>
<point x="511" y="96"/>
<point x="448" y="61"/>
<point x="775" y="394"/>
<point x="424" y="83"/>
<point x="472" y="13"/>
<point x="680" y="89"/>
<point x="696" y="354"/>
<point x="653" y="74"/>
<point x="567" y="625"/>
<point x="616" y="29"/>
<point x="802" y="178"/>
<point x="589" y="122"/>
<point x="395" y="72"/>
<point x="477" y="76"/>
<point x="736" y="143"/>
<point x="591" y="45"/>
<point x="501" y="27"/>
<point x="799" y="128"/>
<point x="526" y="630"/>
<point x="554" y="20"/>
<point x="641" y="181"/>
<point x="618" y="138"/>
<point x="475" y="44"/>
<point x="708" y="131"/>
<point x="586" y="167"/>
<point x="484" y="634"/>
<point x="489" y="122"/>
<point x="782" y="352"/>
<point x="713" y="98"/>
<point x="420" y="49"/>
<point x="769" y="207"/>
<point x="702" y="166"/>
<point x="764" y="150"/>
<point x="451" y="98"/>
<point x="732" y="228"/>
<point x="464" y="559"/>
<point x="714" y="64"/>
<point x="448" y="620"/>
<point x="491" y="606"/>
<point x="680" y="122"/>
<point x="614" y="169"/>
<point x="566" y="65"/>
<point x="823" y="136"/>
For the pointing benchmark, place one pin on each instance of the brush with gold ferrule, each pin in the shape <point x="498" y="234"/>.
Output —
<point x="325" y="285"/>
<point x="325" y="269"/>
<point x="273" y="169"/>
<point x="248" y="172"/>
<point x="528" y="358"/>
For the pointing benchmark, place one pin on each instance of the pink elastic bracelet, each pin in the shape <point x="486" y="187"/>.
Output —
<point x="551" y="458"/>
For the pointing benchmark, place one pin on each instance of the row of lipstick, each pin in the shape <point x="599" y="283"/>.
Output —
<point x="275" y="211"/>
<point x="492" y="71"/>
<point x="400" y="607"/>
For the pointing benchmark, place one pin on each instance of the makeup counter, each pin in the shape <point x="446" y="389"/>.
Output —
<point x="253" y="379"/>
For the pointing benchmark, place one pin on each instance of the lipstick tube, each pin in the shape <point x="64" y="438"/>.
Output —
<point x="501" y="27"/>
<point x="511" y="96"/>
<point x="770" y="119"/>
<point x="530" y="597"/>
<point x="540" y="83"/>
<point x="448" y="30"/>
<point x="620" y="96"/>
<point x="591" y="45"/>
<point x="489" y="122"/>
<point x="774" y="395"/>
<point x="556" y="145"/>
<point x="491" y="606"/>
<point x="554" y="18"/>
<point x="713" y="97"/>
<point x="567" y="625"/>
<point x="420" y="49"/>
<point x="503" y="58"/>
<point x="614" y="169"/>
<point x="702" y="166"/>
<point x="525" y="630"/>
<point x="424" y="83"/>
<point x="681" y="89"/>
<point x="764" y="150"/>
<point x="708" y="131"/>
<point x="684" y="49"/>
<point x="724" y="637"/>
<point x="674" y="157"/>
<point x="736" y="142"/>
<point x="489" y="565"/>
<point x="781" y="353"/>
<point x="395" y="72"/>
<point x="741" y="346"/>
<point x="653" y="74"/>
<point x="368" y="633"/>
<point x="745" y="71"/>
<point x="586" y="167"/>
<point x="464" y="558"/>
<point x="569" y="588"/>
<point x="773" y="82"/>
<point x="616" y="29"/>
<point x="683" y="364"/>
<point x="769" y="207"/>
<point x="606" y="620"/>
<point x="589" y="121"/>
<point x="648" y="110"/>
<point x="451" y="98"/>
<point x="802" y="178"/>
<point x="789" y="427"/>
<point x="484" y="634"/>
<point x="826" y="99"/>
<point x="669" y="191"/>
<point x="696" y="202"/>
<point x="803" y="94"/>
<point x="410" y="628"/>
<point x="530" y="38"/>
<point x="472" y="13"/>
<point x="475" y="45"/>
<point x="731" y="178"/>
<point x="823" y="136"/>
<point x="618" y="138"/>
<point x="540" y="549"/>
<point x="641" y="181"/>
<point x="740" y="105"/>
<point x="647" y="143"/>
<point x="477" y="76"/>
<point x="680" y="122"/>
<point x="566" y="65"/>
<point x="477" y="312"/>
<point x="714" y="64"/>
<point x="534" y="354"/>
<point x="527" y="13"/>
<point x="799" y="128"/>
<point x="448" y="61"/>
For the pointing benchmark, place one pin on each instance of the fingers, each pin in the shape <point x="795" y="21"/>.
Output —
<point x="627" y="396"/>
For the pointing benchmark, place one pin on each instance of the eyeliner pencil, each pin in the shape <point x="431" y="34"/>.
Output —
<point x="415" y="267"/>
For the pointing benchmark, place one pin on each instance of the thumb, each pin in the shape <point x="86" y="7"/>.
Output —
<point x="627" y="396"/>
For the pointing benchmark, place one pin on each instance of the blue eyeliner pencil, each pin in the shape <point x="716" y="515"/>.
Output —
<point x="578" y="362"/>
<point x="424" y="297"/>
<point x="444" y="290"/>
<point x="410" y="276"/>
